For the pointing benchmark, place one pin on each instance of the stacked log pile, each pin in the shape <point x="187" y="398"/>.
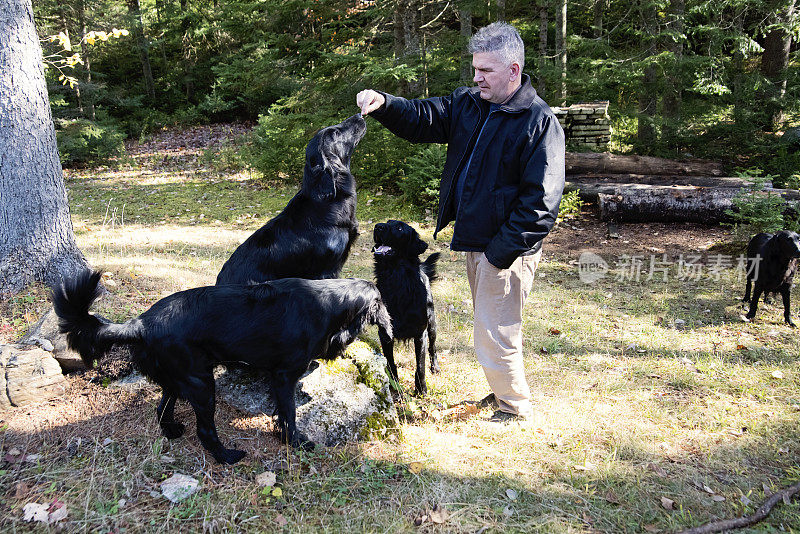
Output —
<point x="586" y="124"/>
<point x="648" y="189"/>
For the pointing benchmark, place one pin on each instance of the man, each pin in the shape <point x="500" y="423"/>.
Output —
<point x="501" y="184"/>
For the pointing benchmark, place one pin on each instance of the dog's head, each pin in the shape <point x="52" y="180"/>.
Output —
<point x="788" y="243"/>
<point x="328" y="157"/>
<point x="396" y="238"/>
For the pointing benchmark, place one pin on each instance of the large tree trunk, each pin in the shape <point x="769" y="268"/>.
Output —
<point x="144" y="55"/>
<point x="561" y="49"/>
<point x="543" y="23"/>
<point x="777" y="45"/>
<point x="465" y="21"/>
<point x="36" y="239"/>
<point x="648" y="203"/>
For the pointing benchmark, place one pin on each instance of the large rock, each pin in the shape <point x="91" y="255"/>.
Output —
<point x="338" y="401"/>
<point x="45" y="334"/>
<point x="28" y="375"/>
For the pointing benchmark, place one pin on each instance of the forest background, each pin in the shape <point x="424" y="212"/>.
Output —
<point x="684" y="78"/>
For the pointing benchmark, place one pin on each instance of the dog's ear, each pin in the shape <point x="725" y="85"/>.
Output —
<point x="420" y="246"/>
<point x="318" y="182"/>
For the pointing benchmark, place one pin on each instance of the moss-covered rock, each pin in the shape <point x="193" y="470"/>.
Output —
<point x="343" y="400"/>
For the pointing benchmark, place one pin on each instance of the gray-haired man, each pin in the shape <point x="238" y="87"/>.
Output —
<point x="502" y="184"/>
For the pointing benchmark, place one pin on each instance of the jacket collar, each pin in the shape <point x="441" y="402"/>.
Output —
<point x="522" y="99"/>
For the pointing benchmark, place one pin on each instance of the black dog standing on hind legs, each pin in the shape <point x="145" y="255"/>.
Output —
<point x="312" y="236"/>
<point x="279" y="327"/>
<point x="405" y="286"/>
<point x="771" y="263"/>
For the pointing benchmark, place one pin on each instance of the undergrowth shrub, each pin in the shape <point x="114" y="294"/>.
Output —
<point x="571" y="205"/>
<point x="81" y="140"/>
<point x="758" y="209"/>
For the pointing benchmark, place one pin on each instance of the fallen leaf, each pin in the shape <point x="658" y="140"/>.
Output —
<point x="277" y="492"/>
<point x="611" y="497"/>
<point x="717" y="498"/>
<point x="667" y="504"/>
<point x="555" y="331"/>
<point x="281" y="521"/>
<point x="508" y="511"/>
<point x="741" y="347"/>
<point x="415" y="468"/>
<point x="767" y="490"/>
<point x="652" y="528"/>
<point x="57" y="511"/>
<point x="745" y="501"/>
<point x="438" y="515"/>
<point x="267" y="478"/>
<point x="20" y="490"/>
<point x="33" y="511"/>
<point x="586" y="466"/>
<point x="179" y="486"/>
<point x="777" y="374"/>
<point x="512" y="494"/>
<point x="708" y="490"/>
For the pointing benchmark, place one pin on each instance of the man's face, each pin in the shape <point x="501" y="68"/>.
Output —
<point x="495" y="79"/>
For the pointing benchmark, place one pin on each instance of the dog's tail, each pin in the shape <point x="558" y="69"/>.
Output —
<point x="429" y="266"/>
<point x="86" y="334"/>
<point x="379" y="315"/>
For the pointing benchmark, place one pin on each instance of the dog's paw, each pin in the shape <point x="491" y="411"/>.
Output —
<point x="173" y="430"/>
<point x="791" y="324"/>
<point x="229" y="456"/>
<point x="435" y="369"/>
<point x="301" y="441"/>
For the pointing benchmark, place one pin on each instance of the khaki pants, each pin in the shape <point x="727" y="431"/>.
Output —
<point x="498" y="296"/>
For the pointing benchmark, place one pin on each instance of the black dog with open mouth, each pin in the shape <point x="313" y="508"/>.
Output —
<point x="405" y="286"/>
<point x="771" y="263"/>
<point x="312" y="236"/>
<point x="278" y="327"/>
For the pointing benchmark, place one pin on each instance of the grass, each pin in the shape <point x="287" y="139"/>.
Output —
<point x="643" y="390"/>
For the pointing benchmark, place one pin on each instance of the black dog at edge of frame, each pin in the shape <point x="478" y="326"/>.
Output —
<point x="312" y="236"/>
<point x="405" y="286"/>
<point x="278" y="326"/>
<point x="771" y="264"/>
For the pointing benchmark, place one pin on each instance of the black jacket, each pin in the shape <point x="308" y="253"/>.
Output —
<point x="516" y="177"/>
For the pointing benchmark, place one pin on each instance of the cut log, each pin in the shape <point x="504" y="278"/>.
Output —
<point x="588" y="180"/>
<point x="605" y="163"/>
<point x="647" y="203"/>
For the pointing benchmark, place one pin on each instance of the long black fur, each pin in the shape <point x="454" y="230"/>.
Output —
<point x="278" y="327"/>
<point x="405" y="286"/>
<point x="771" y="264"/>
<point x="312" y="236"/>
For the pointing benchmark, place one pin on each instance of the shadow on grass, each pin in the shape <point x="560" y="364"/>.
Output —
<point x="114" y="451"/>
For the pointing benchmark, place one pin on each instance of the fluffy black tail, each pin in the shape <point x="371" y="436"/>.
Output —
<point x="86" y="334"/>
<point x="429" y="266"/>
<point x="379" y="315"/>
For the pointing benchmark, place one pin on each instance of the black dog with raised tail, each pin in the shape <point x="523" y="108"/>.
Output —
<point x="278" y="327"/>
<point x="405" y="286"/>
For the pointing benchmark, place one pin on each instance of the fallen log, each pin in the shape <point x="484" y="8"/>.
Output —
<point x="658" y="179"/>
<point x="603" y="162"/>
<point x="650" y="203"/>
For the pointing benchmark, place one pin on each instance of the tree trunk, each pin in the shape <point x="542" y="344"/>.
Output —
<point x="647" y="95"/>
<point x="144" y="55"/>
<point x="604" y="163"/>
<point x="412" y="43"/>
<point x="673" y="94"/>
<point x="561" y="48"/>
<point x="777" y="45"/>
<point x="740" y="98"/>
<point x="501" y="10"/>
<point x="465" y="21"/>
<point x="598" y="8"/>
<point x="36" y="239"/>
<point x="543" y="23"/>
<point x="87" y="61"/>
